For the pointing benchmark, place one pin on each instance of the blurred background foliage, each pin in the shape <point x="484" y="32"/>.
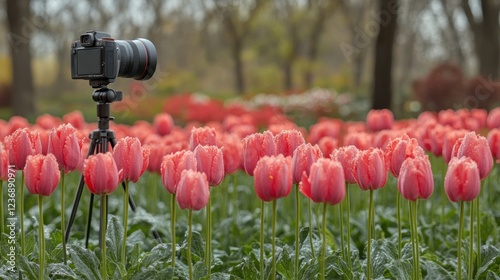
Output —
<point x="444" y="54"/>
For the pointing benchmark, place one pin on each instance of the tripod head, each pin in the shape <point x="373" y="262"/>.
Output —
<point x="105" y="96"/>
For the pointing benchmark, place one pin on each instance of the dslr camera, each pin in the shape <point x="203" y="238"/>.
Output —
<point x="99" y="58"/>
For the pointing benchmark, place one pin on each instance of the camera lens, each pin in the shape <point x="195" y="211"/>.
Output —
<point x="87" y="39"/>
<point x="137" y="59"/>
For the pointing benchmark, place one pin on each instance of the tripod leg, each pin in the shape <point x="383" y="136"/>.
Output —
<point x="89" y="221"/>
<point x="78" y="195"/>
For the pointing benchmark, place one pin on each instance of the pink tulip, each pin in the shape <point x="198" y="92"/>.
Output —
<point x="327" y="145"/>
<point x="462" y="181"/>
<point x="493" y="120"/>
<point x="42" y="174"/>
<point x="326" y="127"/>
<point x="348" y="157"/>
<point x="326" y="182"/>
<point x="210" y="161"/>
<point x="255" y="147"/>
<point x="303" y="157"/>
<point x="416" y="179"/>
<point x="75" y="118"/>
<point x="131" y="158"/>
<point x="204" y="136"/>
<point x="193" y="191"/>
<point x="398" y="150"/>
<point x="437" y="135"/>
<point x="273" y="177"/>
<point x="4" y="164"/>
<point x="17" y="122"/>
<point x="44" y="139"/>
<point x="47" y="121"/>
<point x="287" y="141"/>
<point x="449" y="140"/>
<point x="377" y="120"/>
<point x="163" y="124"/>
<point x="66" y="147"/>
<point x="361" y="140"/>
<point x="172" y="167"/>
<point x="100" y="173"/>
<point x="371" y="169"/>
<point x="494" y="143"/>
<point x="476" y="147"/>
<point x="156" y="154"/>
<point x="232" y="150"/>
<point x="23" y="143"/>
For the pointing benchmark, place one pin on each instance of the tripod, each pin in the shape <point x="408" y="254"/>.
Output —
<point x="99" y="144"/>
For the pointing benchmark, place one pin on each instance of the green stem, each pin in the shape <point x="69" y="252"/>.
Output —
<point x="125" y="223"/>
<point x="398" y="199"/>
<point x="273" y="236"/>
<point x="41" y="238"/>
<point x="478" y="232"/>
<point x="369" y="232"/>
<point x="341" y="219"/>
<point x="471" y="242"/>
<point x="297" y="226"/>
<point x="262" y="239"/>
<point x="235" y="197"/>
<point x="21" y="206"/>
<point x="348" y="223"/>
<point x="63" y="225"/>
<point x="459" y="247"/>
<point x="104" y="206"/>
<point x="2" y="230"/>
<point x="172" y="229"/>
<point x="208" y="253"/>
<point x="417" y="251"/>
<point x="190" y="234"/>
<point x="323" y="244"/>
<point x="310" y="229"/>
<point x="412" y="230"/>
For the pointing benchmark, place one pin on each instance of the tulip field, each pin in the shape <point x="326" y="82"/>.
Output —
<point x="250" y="194"/>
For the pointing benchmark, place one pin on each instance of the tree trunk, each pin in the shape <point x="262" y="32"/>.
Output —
<point x="21" y="29"/>
<point x="382" y="78"/>
<point x="487" y="42"/>
<point x="238" y="65"/>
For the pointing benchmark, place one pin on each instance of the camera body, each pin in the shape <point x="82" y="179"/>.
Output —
<point x="99" y="58"/>
<point x="95" y="58"/>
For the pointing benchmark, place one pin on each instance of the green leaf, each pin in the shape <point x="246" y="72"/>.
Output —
<point x="60" y="271"/>
<point x="492" y="276"/>
<point x="114" y="237"/>
<point x="54" y="247"/>
<point x="160" y="254"/>
<point x="490" y="261"/>
<point x="200" y="270"/>
<point x="197" y="246"/>
<point x="400" y="269"/>
<point x="29" y="269"/>
<point x="383" y="252"/>
<point x="284" y="263"/>
<point x="218" y="276"/>
<point x="86" y="263"/>
<point x="436" y="270"/>
<point x="31" y="243"/>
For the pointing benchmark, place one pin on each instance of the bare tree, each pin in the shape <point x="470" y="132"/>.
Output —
<point x="21" y="29"/>
<point x="382" y="77"/>
<point x="486" y="36"/>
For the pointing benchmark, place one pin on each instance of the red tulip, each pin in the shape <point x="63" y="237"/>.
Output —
<point x="416" y="179"/>
<point x="326" y="127"/>
<point x="449" y="140"/>
<point x="210" y="161"/>
<point x="287" y="141"/>
<point x="325" y="183"/>
<point x="131" y="158"/>
<point x="75" y="118"/>
<point x="377" y="120"/>
<point x="42" y="174"/>
<point x="462" y="181"/>
<point x="256" y="146"/>
<point x="361" y="140"/>
<point x="476" y="147"/>
<point x="303" y="157"/>
<point x="399" y="149"/>
<point x="4" y="164"/>
<point x="273" y="177"/>
<point x="232" y="150"/>
<point x="371" y="169"/>
<point x="163" y="124"/>
<point x="205" y="136"/>
<point x="348" y="157"/>
<point x="193" y="191"/>
<point x="47" y="121"/>
<point x="172" y="167"/>
<point x="493" y="120"/>
<point x="66" y="147"/>
<point x="494" y="142"/>
<point x="44" y="139"/>
<point x="156" y="153"/>
<point x="100" y="173"/>
<point x="23" y="143"/>
<point x="437" y="135"/>
<point x="17" y="122"/>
